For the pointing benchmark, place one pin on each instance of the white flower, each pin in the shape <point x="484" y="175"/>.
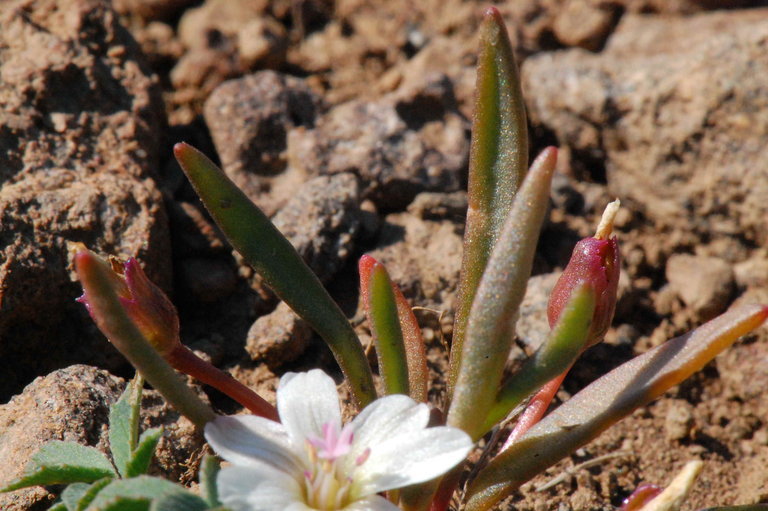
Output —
<point x="311" y="462"/>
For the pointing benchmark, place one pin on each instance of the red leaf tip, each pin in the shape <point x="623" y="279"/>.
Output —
<point x="366" y="264"/>
<point x="179" y="148"/>
<point x="491" y="12"/>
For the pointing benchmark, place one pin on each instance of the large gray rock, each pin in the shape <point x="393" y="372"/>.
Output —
<point x="249" y="119"/>
<point x="78" y="145"/>
<point x="677" y="110"/>
<point x="408" y="142"/>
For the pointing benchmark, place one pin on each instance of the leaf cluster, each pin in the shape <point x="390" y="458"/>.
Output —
<point x="97" y="483"/>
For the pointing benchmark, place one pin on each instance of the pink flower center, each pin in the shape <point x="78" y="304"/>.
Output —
<point x="334" y="443"/>
<point x="328" y="479"/>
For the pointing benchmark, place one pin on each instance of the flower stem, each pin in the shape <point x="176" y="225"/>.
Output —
<point x="184" y="360"/>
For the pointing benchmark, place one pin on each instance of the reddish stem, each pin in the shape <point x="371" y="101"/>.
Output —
<point x="184" y="360"/>
<point x="445" y="491"/>
<point x="535" y="409"/>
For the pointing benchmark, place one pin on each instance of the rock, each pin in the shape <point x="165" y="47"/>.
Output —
<point x="262" y="43"/>
<point x="151" y="9"/>
<point x="224" y="39"/>
<point x="72" y="404"/>
<point x="249" y="119"/>
<point x="703" y="283"/>
<point x="439" y="206"/>
<point x="681" y="139"/>
<point x="398" y="146"/>
<point x="207" y="279"/>
<point x="192" y="232"/>
<point x="540" y="25"/>
<point x="449" y="57"/>
<point x="423" y="257"/>
<point x="678" y="420"/>
<point x="78" y="148"/>
<point x="584" y="23"/>
<point x="215" y="20"/>
<point x="278" y="338"/>
<point x="322" y="221"/>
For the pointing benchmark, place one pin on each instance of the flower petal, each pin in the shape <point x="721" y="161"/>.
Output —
<point x="306" y="401"/>
<point x="248" y="440"/>
<point x="403" y="460"/>
<point x="385" y="418"/>
<point x="258" y="488"/>
<point x="372" y="503"/>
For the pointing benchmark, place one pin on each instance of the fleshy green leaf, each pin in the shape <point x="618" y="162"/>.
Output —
<point x="181" y="501"/>
<point x="142" y="455"/>
<point x="282" y="268"/>
<point x="563" y="346"/>
<point x="98" y="280"/>
<point x="415" y="350"/>
<point x="209" y="469"/>
<point x="137" y="489"/>
<point x="59" y="506"/>
<point x="63" y="463"/>
<point x="498" y="162"/>
<point x="93" y="490"/>
<point x="606" y="401"/>
<point x="490" y="328"/>
<point x="123" y="504"/>
<point x="384" y="321"/>
<point x="73" y="493"/>
<point x="124" y="425"/>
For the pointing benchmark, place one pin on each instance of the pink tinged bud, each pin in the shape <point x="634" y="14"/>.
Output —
<point x="150" y="309"/>
<point x="596" y="262"/>
<point x="146" y="304"/>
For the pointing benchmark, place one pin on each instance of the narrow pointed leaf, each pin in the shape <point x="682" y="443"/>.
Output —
<point x="274" y="258"/>
<point x="491" y="322"/>
<point x="606" y="401"/>
<point x="108" y="313"/>
<point x="498" y="162"/>
<point x="563" y="346"/>
<point x="124" y="426"/>
<point x="62" y="463"/>
<point x="142" y="455"/>
<point x="415" y="351"/>
<point x="386" y="322"/>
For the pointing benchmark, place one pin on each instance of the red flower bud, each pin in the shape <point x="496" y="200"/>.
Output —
<point x="145" y="303"/>
<point x="596" y="262"/>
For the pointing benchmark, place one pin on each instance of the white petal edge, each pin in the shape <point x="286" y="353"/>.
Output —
<point x="248" y="440"/>
<point x="306" y="401"/>
<point x="258" y="488"/>
<point x="387" y="418"/>
<point x="372" y="503"/>
<point x="412" y="459"/>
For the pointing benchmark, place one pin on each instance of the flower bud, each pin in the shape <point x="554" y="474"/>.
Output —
<point x="596" y="262"/>
<point x="144" y="303"/>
